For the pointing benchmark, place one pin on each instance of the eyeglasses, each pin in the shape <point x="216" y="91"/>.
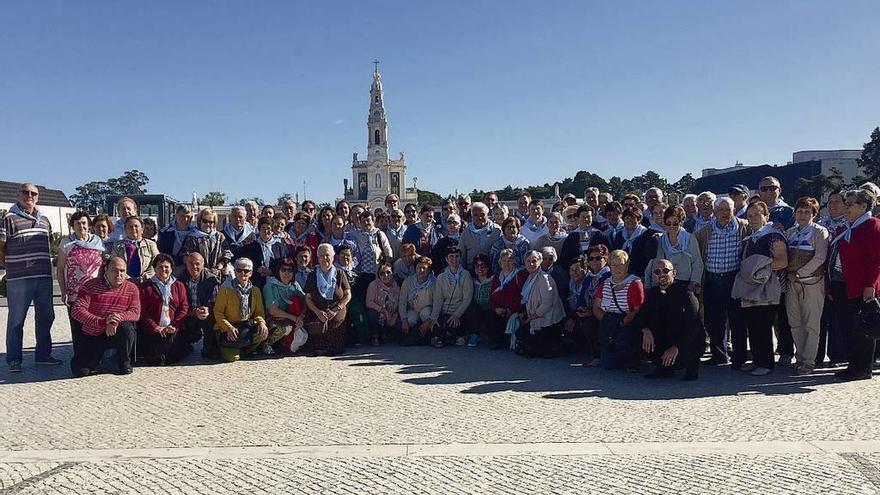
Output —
<point x="385" y="274"/>
<point x="397" y="216"/>
<point x="242" y="270"/>
<point x="673" y="224"/>
<point x="209" y="222"/>
<point x="595" y="258"/>
<point x="30" y="193"/>
<point x="768" y="188"/>
<point x="662" y="271"/>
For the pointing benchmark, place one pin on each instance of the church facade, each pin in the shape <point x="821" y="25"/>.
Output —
<point x="377" y="176"/>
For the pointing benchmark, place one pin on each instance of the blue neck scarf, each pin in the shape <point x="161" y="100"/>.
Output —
<point x="326" y="282"/>
<point x="846" y="235"/>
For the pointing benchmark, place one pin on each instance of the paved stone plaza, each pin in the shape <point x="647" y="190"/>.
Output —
<point x="422" y="420"/>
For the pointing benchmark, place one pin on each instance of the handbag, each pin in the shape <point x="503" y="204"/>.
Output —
<point x="867" y="319"/>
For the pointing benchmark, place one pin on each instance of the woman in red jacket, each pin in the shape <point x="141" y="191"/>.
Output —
<point x="161" y="332"/>
<point x="505" y="299"/>
<point x="854" y="252"/>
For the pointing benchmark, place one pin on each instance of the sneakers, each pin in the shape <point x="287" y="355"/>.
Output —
<point x="761" y="371"/>
<point x="472" y="340"/>
<point x="15" y="367"/>
<point x="784" y="360"/>
<point x="48" y="361"/>
<point x="460" y="341"/>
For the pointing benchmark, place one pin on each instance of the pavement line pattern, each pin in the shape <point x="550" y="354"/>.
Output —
<point x="34" y="480"/>
<point x="863" y="466"/>
<point x="847" y="449"/>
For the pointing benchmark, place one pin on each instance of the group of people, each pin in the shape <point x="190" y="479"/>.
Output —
<point x="618" y="282"/>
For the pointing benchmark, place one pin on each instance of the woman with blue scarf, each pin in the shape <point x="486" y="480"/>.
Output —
<point x="505" y="300"/>
<point x="538" y="334"/>
<point x="681" y="248"/>
<point x="284" y="301"/>
<point x="206" y="241"/>
<point x="327" y="294"/>
<point x="264" y="251"/>
<point x="238" y="232"/>
<point x="164" y="339"/>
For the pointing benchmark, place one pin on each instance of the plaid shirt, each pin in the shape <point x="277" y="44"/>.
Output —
<point x="723" y="252"/>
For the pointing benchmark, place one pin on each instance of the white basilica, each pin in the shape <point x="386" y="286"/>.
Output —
<point x="377" y="176"/>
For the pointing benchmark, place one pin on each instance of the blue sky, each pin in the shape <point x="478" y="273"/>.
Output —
<point x="252" y="98"/>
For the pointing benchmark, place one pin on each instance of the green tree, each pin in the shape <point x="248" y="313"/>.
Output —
<point x="429" y="198"/>
<point x="213" y="198"/>
<point x="91" y="197"/>
<point x="242" y="201"/>
<point x="683" y="185"/>
<point x="870" y="159"/>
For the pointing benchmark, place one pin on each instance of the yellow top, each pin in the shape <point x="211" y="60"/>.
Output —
<point x="227" y="311"/>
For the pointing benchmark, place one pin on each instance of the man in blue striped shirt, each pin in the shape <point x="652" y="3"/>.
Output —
<point x="25" y="235"/>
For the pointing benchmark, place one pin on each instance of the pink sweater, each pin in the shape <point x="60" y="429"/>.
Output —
<point x="381" y="296"/>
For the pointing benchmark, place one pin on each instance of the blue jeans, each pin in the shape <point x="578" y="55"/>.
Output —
<point x="20" y="295"/>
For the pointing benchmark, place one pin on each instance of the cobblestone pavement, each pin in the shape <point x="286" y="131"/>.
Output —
<point x="387" y="396"/>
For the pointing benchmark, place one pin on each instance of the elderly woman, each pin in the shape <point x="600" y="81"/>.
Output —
<point x="252" y="212"/>
<point x="101" y="227"/>
<point x="510" y="239"/>
<point x="479" y="235"/>
<point x="279" y="225"/>
<point x="538" y="334"/>
<point x="535" y="225"/>
<point x="383" y="302"/>
<point x="758" y="286"/>
<point x="596" y="272"/>
<point x="284" y="301"/>
<point x="373" y="249"/>
<point x="500" y="212"/>
<point x="705" y="212"/>
<point x="554" y="237"/>
<point x="174" y="234"/>
<point x="238" y="232"/>
<point x="137" y="252"/>
<point x="423" y="234"/>
<point x="264" y="251"/>
<point x="80" y="256"/>
<point x="414" y="309"/>
<point x="208" y="242"/>
<point x="579" y="240"/>
<point x="550" y="266"/>
<point x="617" y="302"/>
<point x="405" y="265"/>
<point x="805" y="298"/>
<point x="453" y="293"/>
<point x="301" y="233"/>
<point x="681" y="248"/>
<point x="164" y="306"/>
<point x="576" y="312"/>
<point x="394" y="232"/>
<point x="451" y="236"/>
<point x="239" y="315"/>
<point x="632" y="229"/>
<point x="479" y="313"/>
<point x="831" y="336"/>
<point x="328" y="292"/>
<point x="857" y="260"/>
<point x="505" y="300"/>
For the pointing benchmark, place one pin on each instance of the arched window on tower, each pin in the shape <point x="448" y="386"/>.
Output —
<point x="376" y="138"/>
<point x="378" y="181"/>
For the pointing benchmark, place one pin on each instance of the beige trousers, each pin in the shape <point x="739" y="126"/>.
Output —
<point x="804" y="303"/>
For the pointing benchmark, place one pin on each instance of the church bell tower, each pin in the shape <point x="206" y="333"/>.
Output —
<point x="377" y="123"/>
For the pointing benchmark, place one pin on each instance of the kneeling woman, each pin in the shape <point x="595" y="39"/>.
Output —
<point x="239" y="315"/>
<point x="415" y="305"/>
<point x="164" y="337"/>
<point x="383" y="297"/>
<point x="328" y="292"/>
<point x="538" y="333"/>
<point x="285" y="302"/>
<point x="617" y="302"/>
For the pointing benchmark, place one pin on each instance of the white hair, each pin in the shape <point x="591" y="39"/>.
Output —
<point x="454" y="217"/>
<point x="594" y="189"/>
<point x="727" y="200"/>
<point x="325" y="247"/>
<point x="237" y="207"/>
<point x="244" y="263"/>
<point x="549" y="252"/>
<point x="536" y="254"/>
<point x="480" y="206"/>
<point x="689" y="196"/>
<point x="708" y="194"/>
<point x="870" y="186"/>
<point x="557" y="216"/>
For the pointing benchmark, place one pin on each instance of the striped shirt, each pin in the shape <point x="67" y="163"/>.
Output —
<point x="97" y="300"/>
<point x="723" y="250"/>
<point x="622" y="297"/>
<point x="27" y="241"/>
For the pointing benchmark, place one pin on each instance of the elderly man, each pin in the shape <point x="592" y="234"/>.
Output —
<point x="395" y="231"/>
<point x="740" y="196"/>
<point x="782" y="218"/>
<point x="464" y="208"/>
<point x="670" y="324"/>
<point x="479" y="235"/>
<point x="201" y="290"/>
<point x="109" y="308"/>
<point x="172" y="235"/>
<point x="423" y="234"/>
<point x="125" y="207"/>
<point x="689" y="203"/>
<point x="490" y="199"/>
<point x="705" y="210"/>
<point x="238" y="232"/>
<point x="25" y="234"/>
<point x="288" y="207"/>
<point x="392" y="202"/>
<point x="653" y="196"/>
<point x="720" y="244"/>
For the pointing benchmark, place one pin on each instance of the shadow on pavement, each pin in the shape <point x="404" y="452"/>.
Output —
<point x="482" y="371"/>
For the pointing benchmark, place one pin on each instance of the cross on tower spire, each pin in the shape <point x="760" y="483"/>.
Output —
<point x="376" y="63"/>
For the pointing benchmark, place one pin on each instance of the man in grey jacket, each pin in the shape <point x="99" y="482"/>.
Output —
<point x="479" y="235"/>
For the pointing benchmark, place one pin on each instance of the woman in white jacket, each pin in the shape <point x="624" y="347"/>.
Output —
<point x="538" y="334"/>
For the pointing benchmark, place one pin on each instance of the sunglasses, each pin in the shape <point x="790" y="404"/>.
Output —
<point x="30" y="193"/>
<point x="242" y="270"/>
<point x="768" y="188"/>
<point x="385" y="274"/>
<point x="661" y="271"/>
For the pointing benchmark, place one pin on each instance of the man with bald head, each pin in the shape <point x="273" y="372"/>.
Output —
<point x="669" y="321"/>
<point x="201" y="290"/>
<point x="25" y="235"/>
<point x="108" y="307"/>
